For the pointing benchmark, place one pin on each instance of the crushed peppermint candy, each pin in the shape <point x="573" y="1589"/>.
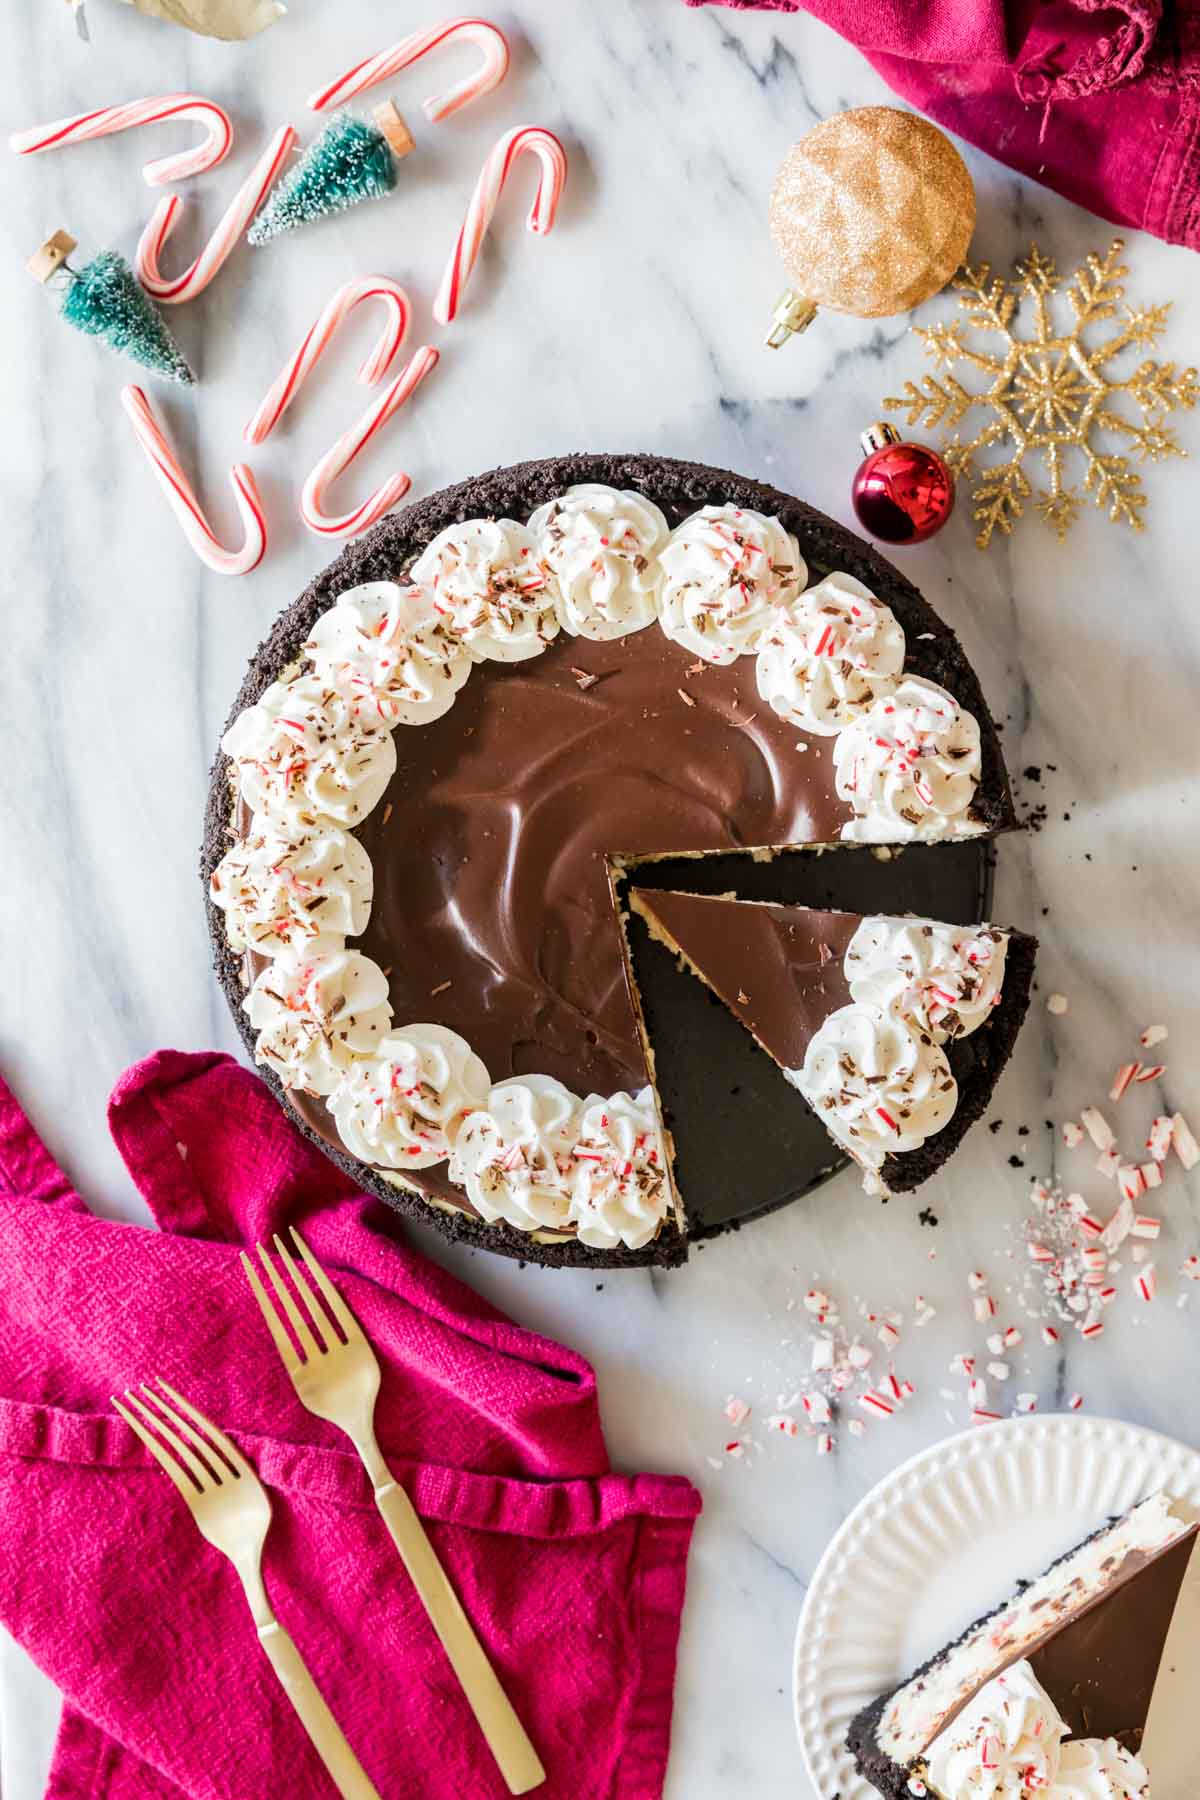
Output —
<point x="1153" y="1034"/>
<point x="1124" y="1075"/>
<point x="1097" y="1128"/>
<point x="1057" y="1004"/>
<point x="1158" y="1142"/>
<point x="1183" y="1143"/>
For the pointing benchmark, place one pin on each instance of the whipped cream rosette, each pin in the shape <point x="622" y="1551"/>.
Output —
<point x="1098" y="1769"/>
<point x="909" y="766"/>
<point x="620" y="1193"/>
<point x="1005" y="1743"/>
<point x="400" y="1108"/>
<point x="826" y="658"/>
<point x="1009" y="1743"/>
<point x="315" y="1011"/>
<point x="304" y="753"/>
<point x="278" y="895"/>
<point x="878" y="1086"/>
<point x="944" y="978"/>
<point x="391" y="652"/>
<point x="514" y="1155"/>
<point x="602" y="547"/>
<point x="727" y="575"/>
<point x="486" y="582"/>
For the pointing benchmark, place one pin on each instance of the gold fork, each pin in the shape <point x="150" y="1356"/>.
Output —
<point x="337" y="1378"/>
<point x="233" y="1511"/>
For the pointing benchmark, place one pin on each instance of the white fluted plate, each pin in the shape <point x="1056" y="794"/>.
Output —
<point x="942" y="1540"/>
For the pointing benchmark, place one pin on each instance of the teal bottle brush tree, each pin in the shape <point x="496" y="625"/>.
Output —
<point x="351" y="161"/>
<point x="105" y="300"/>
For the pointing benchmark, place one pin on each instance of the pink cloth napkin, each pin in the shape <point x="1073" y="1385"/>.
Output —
<point x="574" y="1576"/>
<point x="1099" y="99"/>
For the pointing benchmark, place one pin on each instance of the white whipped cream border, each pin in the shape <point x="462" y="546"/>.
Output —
<point x="749" y="651"/>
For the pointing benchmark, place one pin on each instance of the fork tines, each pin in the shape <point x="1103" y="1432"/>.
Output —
<point x="313" y="1333"/>
<point x="186" y="1445"/>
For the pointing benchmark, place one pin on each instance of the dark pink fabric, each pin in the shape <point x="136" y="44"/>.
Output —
<point x="1099" y="99"/>
<point x="573" y="1575"/>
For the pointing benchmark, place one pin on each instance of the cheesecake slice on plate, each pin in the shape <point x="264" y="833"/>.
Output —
<point x="1047" y="1697"/>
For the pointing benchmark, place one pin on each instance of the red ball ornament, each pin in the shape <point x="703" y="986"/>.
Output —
<point x="902" y="493"/>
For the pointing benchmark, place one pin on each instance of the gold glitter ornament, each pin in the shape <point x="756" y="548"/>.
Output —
<point x="1051" y="392"/>
<point x="872" y="212"/>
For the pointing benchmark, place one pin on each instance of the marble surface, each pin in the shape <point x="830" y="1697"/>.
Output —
<point x="638" y="324"/>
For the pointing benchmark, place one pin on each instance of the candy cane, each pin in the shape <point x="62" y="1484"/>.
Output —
<point x="229" y="229"/>
<point x="409" y="50"/>
<point x="343" y="453"/>
<point x="315" y="342"/>
<point x="183" y="502"/>
<point x="213" y="148"/>
<point x="488" y="189"/>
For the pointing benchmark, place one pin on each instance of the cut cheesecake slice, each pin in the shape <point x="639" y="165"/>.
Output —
<point x="1052" y="1690"/>
<point x="894" y="1029"/>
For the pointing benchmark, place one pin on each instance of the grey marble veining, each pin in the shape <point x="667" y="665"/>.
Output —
<point x="636" y="324"/>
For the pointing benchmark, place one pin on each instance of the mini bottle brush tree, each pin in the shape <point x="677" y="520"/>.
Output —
<point x="104" y="300"/>
<point x="351" y="161"/>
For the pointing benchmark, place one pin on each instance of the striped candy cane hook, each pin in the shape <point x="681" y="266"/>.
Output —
<point x="183" y="502"/>
<point x="523" y="139"/>
<point x="493" y="67"/>
<point x="229" y="229"/>
<point x="212" y="149"/>
<point x="317" y="339"/>
<point x="343" y="453"/>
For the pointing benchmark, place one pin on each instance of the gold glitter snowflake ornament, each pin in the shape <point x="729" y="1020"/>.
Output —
<point x="1050" y="393"/>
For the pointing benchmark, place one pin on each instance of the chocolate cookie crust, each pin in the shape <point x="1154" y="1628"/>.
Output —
<point x="678" y="488"/>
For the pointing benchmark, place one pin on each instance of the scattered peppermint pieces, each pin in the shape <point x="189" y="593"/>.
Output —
<point x="1057" y="1004"/>
<point x="1097" y="1128"/>
<point x="1183" y="1143"/>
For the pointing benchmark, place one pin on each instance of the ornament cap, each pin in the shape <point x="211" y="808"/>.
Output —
<point x="390" y="121"/>
<point x="793" y="312"/>
<point x="50" y="258"/>
<point x="876" y="436"/>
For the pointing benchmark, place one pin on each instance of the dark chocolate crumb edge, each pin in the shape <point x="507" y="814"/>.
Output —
<point x="985" y="1053"/>
<point x="873" y="1763"/>
<point x="679" y="488"/>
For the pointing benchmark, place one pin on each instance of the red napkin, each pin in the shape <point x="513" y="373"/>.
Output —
<point x="573" y="1576"/>
<point x="1099" y="99"/>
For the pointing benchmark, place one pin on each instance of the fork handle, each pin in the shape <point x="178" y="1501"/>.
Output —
<point x="345" y="1770"/>
<point x="507" y="1739"/>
